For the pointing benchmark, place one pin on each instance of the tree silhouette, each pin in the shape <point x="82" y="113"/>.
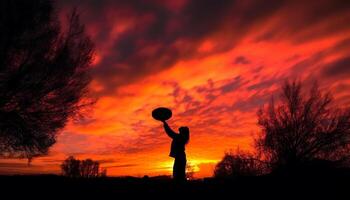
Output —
<point x="43" y="75"/>
<point x="88" y="168"/>
<point x="239" y="164"/>
<point x="303" y="129"/>
<point x="71" y="167"/>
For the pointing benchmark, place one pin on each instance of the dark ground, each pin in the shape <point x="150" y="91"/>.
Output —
<point x="47" y="186"/>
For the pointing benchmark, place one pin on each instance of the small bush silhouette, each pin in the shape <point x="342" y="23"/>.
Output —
<point x="239" y="164"/>
<point x="303" y="129"/>
<point x="88" y="168"/>
<point x="190" y="171"/>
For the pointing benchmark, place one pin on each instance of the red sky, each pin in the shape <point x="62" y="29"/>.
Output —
<point x="214" y="63"/>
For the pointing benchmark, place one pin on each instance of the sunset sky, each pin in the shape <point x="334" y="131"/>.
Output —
<point x="213" y="62"/>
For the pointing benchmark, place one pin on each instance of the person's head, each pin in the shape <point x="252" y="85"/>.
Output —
<point x="185" y="132"/>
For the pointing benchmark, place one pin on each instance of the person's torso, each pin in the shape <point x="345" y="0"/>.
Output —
<point x="177" y="147"/>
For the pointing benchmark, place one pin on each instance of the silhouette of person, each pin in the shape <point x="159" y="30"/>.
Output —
<point x="177" y="150"/>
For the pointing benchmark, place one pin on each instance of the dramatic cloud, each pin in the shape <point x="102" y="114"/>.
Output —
<point x="338" y="68"/>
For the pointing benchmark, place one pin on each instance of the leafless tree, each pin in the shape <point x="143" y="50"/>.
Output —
<point x="89" y="168"/>
<point x="71" y="167"/>
<point x="303" y="128"/>
<point x="44" y="75"/>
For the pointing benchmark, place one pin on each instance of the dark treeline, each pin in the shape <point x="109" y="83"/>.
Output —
<point x="87" y="168"/>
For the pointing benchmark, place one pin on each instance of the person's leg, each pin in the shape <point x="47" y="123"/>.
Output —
<point x="175" y="169"/>
<point x="182" y="169"/>
<point x="179" y="169"/>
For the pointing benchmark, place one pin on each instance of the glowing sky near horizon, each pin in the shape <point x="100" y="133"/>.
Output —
<point x="214" y="63"/>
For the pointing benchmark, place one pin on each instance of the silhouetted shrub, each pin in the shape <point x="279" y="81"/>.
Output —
<point x="302" y="129"/>
<point x="43" y="75"/>
<point x="88" y="168"/>
<point x="239" y="164"/>
<point x="190" y="171"/>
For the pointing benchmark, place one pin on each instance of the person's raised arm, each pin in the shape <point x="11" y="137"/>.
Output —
<point x="168" y="130"/>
